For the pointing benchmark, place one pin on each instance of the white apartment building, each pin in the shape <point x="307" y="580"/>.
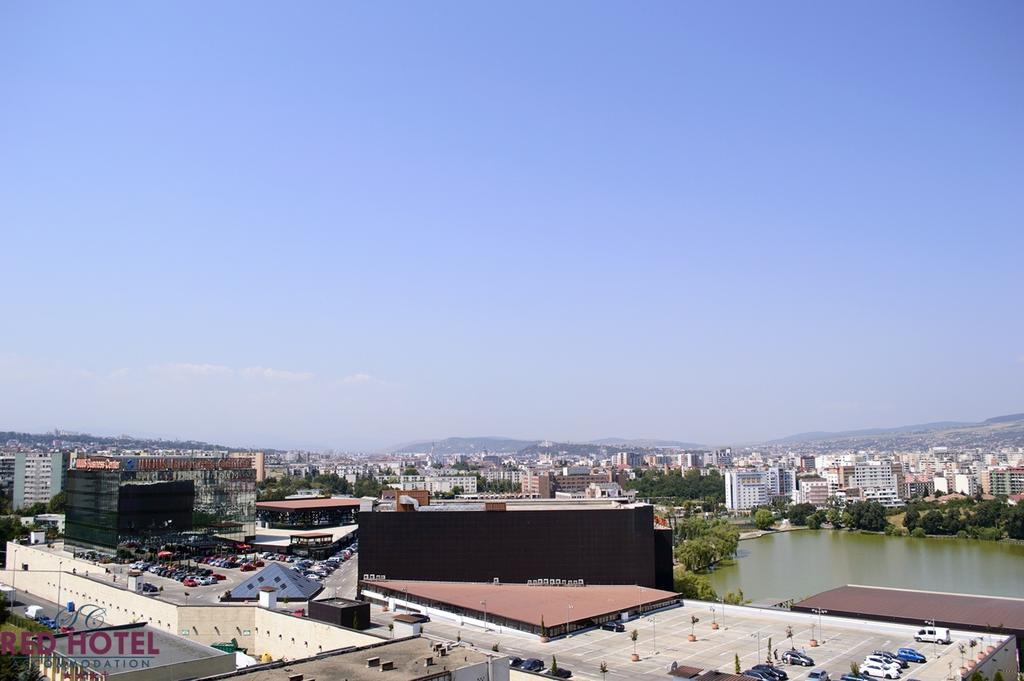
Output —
<point x="886" y="496"/>
<point x="965" y="483"/>
<point x="781" y="482"/>
<point x="874" y="474"/>
<point x="513" y="475"/>
<point x="813" y="490"/>
<point x="38" y="476"/>
<point x="745" y="489"/>
<point x="440" y="484"/>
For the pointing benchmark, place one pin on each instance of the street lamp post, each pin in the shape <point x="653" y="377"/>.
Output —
<point x="14" y="574"/>
<point x="568" y="618"/>
<point x="654" y="634"/>
<point x="484" y="603"/>
<point x="60" y="573"/>
<point x="935" y="647"/>
<point x="819" y="612"/>
<point x="758" y="635"/>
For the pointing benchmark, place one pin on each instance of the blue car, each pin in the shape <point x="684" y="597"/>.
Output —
<point x="910" y="655"/>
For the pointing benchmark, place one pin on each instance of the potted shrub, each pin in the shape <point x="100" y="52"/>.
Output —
<point x="693" y="623"/>
<point x="633" y="636"/>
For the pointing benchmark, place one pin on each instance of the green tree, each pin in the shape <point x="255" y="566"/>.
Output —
<point x="554" y="665"/>
<point x="814" y="521"/>
<point x="764" y="519"/>
<point x="689" y="585"/>
<point x="59" y="502"/>
<point x="734" y="597"/>
<point x="1013" y="522"/>
<point x="799" y="513"/>
<point x="933" y="522"/>
<point x="736" y="662"/>
<point x="367" y="487"/>
<point x="911" y="518"/>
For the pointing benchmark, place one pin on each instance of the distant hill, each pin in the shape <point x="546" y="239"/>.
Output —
<point x="123" y="441"/>
<point x="1009" y="418"/>
<point x="646" y="443"/>
<point x="953" y="427"/>
<point x="464" y="445"/>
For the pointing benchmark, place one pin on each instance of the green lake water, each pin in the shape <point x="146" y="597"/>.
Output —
<point x="804" y="562"/>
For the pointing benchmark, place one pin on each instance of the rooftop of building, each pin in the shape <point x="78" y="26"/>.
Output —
<point x="166" y="649"/>
<point x="280" y="537"/>
<point x="310" y="504"/>
<point x="529" y="604"/>
<point x="407" y="656"/>
<point x="602" y="504"/>
<point x="945" y="609"/>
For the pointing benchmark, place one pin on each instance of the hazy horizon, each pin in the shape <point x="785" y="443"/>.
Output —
<point x="354" y="225"/>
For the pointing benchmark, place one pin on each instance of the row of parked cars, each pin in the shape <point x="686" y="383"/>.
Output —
<point x="881" y="664"/>
<point x="190" y="577"/>
<point x="317" y="570"/>
<point x="532" y="664"/>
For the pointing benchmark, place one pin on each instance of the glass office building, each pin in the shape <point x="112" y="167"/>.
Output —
<point x="153" y="502"/>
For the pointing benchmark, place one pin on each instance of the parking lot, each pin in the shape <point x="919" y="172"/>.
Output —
<point x="662" y="640"/>
<point x="341" y="582"/>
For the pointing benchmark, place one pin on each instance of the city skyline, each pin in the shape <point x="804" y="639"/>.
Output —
<point x="359" y="225"/>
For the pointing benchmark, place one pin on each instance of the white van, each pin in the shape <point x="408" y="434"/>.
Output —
<point x="32" y="611"/>
<point x="933" y="636"/>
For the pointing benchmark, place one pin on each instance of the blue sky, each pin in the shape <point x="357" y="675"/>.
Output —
<point x="353" y="224"/>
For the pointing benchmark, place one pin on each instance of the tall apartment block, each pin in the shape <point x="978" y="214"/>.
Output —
<point x="38" y="476"/>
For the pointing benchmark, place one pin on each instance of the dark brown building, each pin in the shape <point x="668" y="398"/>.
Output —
<point x="610" y="544"/>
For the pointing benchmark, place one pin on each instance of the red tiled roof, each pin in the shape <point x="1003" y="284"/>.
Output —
<point x="306" y="504"/>
<point x="529" y="604"/>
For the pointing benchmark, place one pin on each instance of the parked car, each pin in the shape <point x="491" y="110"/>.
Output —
<point x="515" y="662"/>
<point x="418" y="617"/>
<point x="150" y="588"/>
<point x="882" y="661"/>
<point x="189" y="582"/>
<point x="892" y="657"/>
<point x="613" y="626"/>
<point x="818" y="675"/>
<point x="758" y="674"/>
<point x="932" y="635"/>
<point x="854" y="677"/>
<point x="879" y="672"/>
<point x="218" y="576"/>
<point x="774" y="671"/>
<point x="910" y="655"/>
<point x="798" y="658"/>
<point x="531" y="664"/>
<point x="247" y="567"/>
<point x="560" y="673"/>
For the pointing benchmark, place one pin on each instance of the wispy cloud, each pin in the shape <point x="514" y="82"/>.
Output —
<point x="359" y="378"/>
<point x="189" y="369"/>
<point x="269" y="374"/>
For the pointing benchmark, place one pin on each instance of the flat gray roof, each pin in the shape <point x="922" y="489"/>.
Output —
<point x="408" y="655"/>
